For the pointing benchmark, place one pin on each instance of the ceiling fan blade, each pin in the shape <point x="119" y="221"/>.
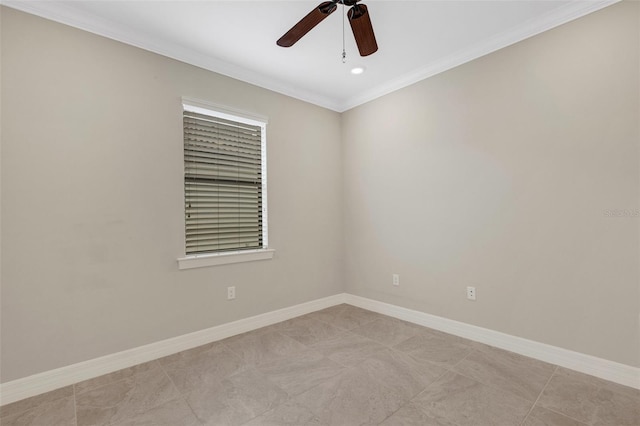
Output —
<point x="307" y="23"/>
<point x="362" y="29"/>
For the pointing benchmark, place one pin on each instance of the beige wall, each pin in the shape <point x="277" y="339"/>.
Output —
<point x="92" y="199"/>
<point x="496" y="175"/>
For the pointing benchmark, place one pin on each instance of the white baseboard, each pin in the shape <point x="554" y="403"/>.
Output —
<point x="602" y="368"/>
<point x="50" y="380"/>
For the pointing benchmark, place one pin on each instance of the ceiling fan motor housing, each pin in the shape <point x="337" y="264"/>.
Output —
<point x="348" y="2"/>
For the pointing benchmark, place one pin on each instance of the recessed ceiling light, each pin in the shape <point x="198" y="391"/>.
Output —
<point x="357" y="70"/>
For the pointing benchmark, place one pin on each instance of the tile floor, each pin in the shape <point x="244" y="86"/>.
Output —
<point x="339" y="366"/>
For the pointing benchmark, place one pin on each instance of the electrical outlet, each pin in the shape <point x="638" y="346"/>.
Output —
<point x="231" y="293"/>
<point x="396" y="280"/>
<point x="471" y="293"/>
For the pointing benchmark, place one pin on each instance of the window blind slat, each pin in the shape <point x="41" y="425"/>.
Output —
<point x="214" y="228"/>
<point x="203" y="249"/>
<point x="202" y="157"/>
<point x="222" y="223"/>
<point x="222" y="126"/>
<point x="221" y="147"/>
<point x="209" y="188"/>
<point x="222" y="153"/>
<point x="201" y="135"/>
<point x="203" y="168"/>
<point x="228" y="135"/>
<point x="219" y="121"/>
<point x="207" y="140"/>
<point x="211" y="237"/>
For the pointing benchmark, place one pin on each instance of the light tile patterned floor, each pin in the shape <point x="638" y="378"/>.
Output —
<point x="340" y="366"/>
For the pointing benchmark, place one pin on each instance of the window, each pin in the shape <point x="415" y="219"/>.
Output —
<point x="224" y="185"/>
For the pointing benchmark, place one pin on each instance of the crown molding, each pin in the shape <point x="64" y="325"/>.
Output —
<point x="70" y="16"/>
<point x="67" y="15"/>
<point x="574" y="10"/>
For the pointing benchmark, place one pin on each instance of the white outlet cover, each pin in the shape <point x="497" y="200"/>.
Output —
<point x="471" y="293"/>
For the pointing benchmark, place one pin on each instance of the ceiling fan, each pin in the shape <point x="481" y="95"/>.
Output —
<point x="358" y="17"/>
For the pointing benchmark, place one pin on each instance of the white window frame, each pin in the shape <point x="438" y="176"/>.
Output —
<point x="223" y="258"/>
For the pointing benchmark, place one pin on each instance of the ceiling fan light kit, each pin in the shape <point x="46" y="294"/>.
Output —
<point x="358" y="17"/>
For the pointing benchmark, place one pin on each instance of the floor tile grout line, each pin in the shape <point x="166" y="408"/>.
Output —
<point x="431" y="384"/>
<point x="472" y="350"/>
<point x="115" y="381"/>
<point x="399" y="408"/>
<point x="260" y="414"/>
<point x="599" y="383"/>
<point x="352" y="333"/>
<point x="164" y="371"/>
<point x="390" y="346"/>
<point x="423" y="391"/>
<point x="183" y="395"/>
<point x="245" y="367"/>
<point x="452" y="369"/>
<point x="557" y="412"/>
<point x="383" y="346"/>
<point x="292" y="398"/>
<point x="33" y="407"/>
<point x="289" y="399"/>
<point x="309" y="345"/>
<point x="337" y="326"/>
<point x="419" y="393"/>
<point x="567" y="416"/>
<point x="257" y="364"/>
<point x="492" y="386"/>
<point x="227" y="347"/>
<point x="156" y="361"/>
<point x="387" y="346"/>
<point x="75" y="405"/>
<point x="421" y="360"/>
<point x="539" y="395"/>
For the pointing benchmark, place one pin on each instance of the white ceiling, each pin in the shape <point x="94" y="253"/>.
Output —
<point x="416" y="39"/>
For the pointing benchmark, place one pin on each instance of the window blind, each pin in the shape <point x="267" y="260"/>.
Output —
<point x="223" y="184"/>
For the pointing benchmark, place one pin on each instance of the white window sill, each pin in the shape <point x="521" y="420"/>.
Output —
<point x="202" y="260"/>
